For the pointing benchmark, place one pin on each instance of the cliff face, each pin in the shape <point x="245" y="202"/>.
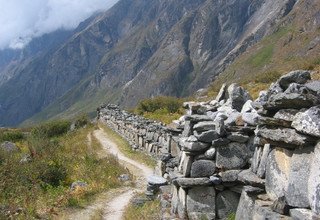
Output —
<point x="135" y="50"/>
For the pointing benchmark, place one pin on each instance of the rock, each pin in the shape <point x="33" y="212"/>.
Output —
<point x="78" y="185"/>
<point x="314" y="86"/>
<point x="261" y="171"/>
<point x="201" y="203"/>
<point x="248" y="177"/>
<point x="124" y="177"/>
<point x="314" y="182"/>
<point x="308" y="122"/>
<point x="207" y="136"/>
<point x="222" y="93"/>
<point x="192" y="144"/>
<point x="210" y="154"/>
<point x="256" y="159"/>
<point x="291" y="101"/>
<point x="197" y="118"/>
<point x="156" y="180"/>
<point x="246" y="205"/>
<point x="192" y="182"/>
<point x="182" y="204"/>
<point x="202" y="168"/>
<point x="232" y="118"/>
<point x="227" y="203"/>
<point x="298" y="76"/>
<point x="302" y="214"/>
<point x="9" y="147"/>
<point x="187" y="130"/>
<point x="251" y="118"/>
<point x="297" y="191"/>
<point x="247" y="107"/>
<point x="274" y="122"/>
<point x="274" y="88"/>
<point x="280" y="206"/>
<point x="232" y="156"/>
<point x="237" y="96"/>
<point x="286" y="114"/>
<point x="229" y="175"/>
<point x="277" y="172"/>
<point x="220" y="142"/>
<point x="262" y="210"/>
<point x="285" y="137"/>
<point x="238" y="137"/>
<point x="215" y="180"/>
<point x="185" y="164"/>
<point x="205" y="126"/>
<point x="139" y="201"/>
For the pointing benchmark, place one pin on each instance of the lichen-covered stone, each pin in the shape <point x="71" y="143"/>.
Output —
<point x="232" y="156"/>
<point x="202" y="168"/>
<point x="308" y="122"/>
<point x="314" y="182"/>
<point x="226" y="203"/>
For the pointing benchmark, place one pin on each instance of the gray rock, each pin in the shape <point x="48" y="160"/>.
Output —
<point x="9" y="147"/>
<point x="314" y="86"/>
<point x="222" y="93"/>
<point x="274" y="122"/>
<point x="220" y="142"/>
<point x="232" y="156"/>
<point x="227" y="203"/>
<point x="156" y="180"/>
<point x="187" y="130"/>
<point x="232" y="118"/>
<point x="261" y="171"/>
<point x="247" y="107"/>
<point x="298" y="76"/>
<point x="245" y="207"/>
<point x="277" y="172"/>
<point x="286" y="114"/>
<point x="237" y="96"/>
<point x="201" y="203"/>
<point x="238" y="137"/>
<point x="274" y="88"/>
<point x="248" y="177"/>
<point x="202" y="168"/>
<point x="192" y="182"/>
<point x="256" y="159"/>
<point x="185" y="164"/>
<point x="285" y="137"/>
<point x="302" y="214"/>
<point x="229" y="175"/>
<point x="250" y="118"/>
<point x="207" y="136"/>
<point x="182" y="203"/>
<point x="124" y="177"/>
<point x="78" y="185"/>
<point x="280" y="206"/>
<point x="210" y="154"/>
<point x="314" y="182"/>
<point x="215" y="180"/>
<point x="262" y="210"/>
<point x="205" y="126"/>
<point x="192" y="144"/>
<point x="308" y="122"/>
<point x="297" y="191"/>
<point x="197" y="118"/>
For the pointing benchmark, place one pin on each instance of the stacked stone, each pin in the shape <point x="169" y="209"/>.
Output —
<point x="216" y="146"/>
<point x="287" y="153"/>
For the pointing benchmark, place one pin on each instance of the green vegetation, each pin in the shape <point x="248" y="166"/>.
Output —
<point x="262" y="57"/>
<point x="126" y="149"/>
<point x="161" y="108"/>
<point x="231" y="216"/>
<point x="149" y="211"/>
<point x="39" y="187"/>
<point x="11" y="135"/>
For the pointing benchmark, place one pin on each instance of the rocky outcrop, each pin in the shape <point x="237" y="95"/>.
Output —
<point x="236" y="155"/>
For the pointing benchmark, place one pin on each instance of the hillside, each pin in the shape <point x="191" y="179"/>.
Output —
<point x="135" y="50"/>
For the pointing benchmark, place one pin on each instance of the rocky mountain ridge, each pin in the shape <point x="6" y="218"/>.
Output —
<point x="135" y="50"/>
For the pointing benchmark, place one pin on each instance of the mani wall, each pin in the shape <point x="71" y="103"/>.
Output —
<point x="256" y="159"/>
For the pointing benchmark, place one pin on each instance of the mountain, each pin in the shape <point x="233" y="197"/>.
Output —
<point x="139" y="49"/>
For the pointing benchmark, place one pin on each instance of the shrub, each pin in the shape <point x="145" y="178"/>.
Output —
<point x="11" y="135"/>
<point x="81" y="121"/>
<point x="52" y="173"/>
<point x="52" y="129"/>
<point x="171" y="104"/>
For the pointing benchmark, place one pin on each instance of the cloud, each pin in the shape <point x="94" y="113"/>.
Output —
<point x="22" y="20"/>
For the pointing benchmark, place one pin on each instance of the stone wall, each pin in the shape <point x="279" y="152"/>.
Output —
<point x="259" y="159"/>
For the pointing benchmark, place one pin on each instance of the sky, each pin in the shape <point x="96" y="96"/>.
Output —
<point x="22" y="20"/>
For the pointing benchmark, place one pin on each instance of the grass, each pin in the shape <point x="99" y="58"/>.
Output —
<point x="41" y="188"/>
<point x="262" y="57"/>
<point x="126" y="149"/>
<point x="151" y="210"/>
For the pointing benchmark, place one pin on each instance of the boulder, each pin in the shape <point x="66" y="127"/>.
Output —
<point x="192" y="182"/>
<point x="314" y="182"/>
<point x="9" y="147"/>
<point x="302" y="214"/>
<point x="285" y="137"/>
<point x="201" y="203"/>
<point x="237" y="96"/>
<point x="298" y="76"/>
<point x="202" y="168"/>
<point x="191" y="144"/>
<point x="232" y="156"/>
<point x="207" y="136"/>
<point x="308" y="122"/>
<point x="226" y="203"/>
<point x="277" y="172"/>
<point x="286" y="114"/>
<point x="297" y="191"/>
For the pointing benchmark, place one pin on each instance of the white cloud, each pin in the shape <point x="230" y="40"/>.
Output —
<point x="22" y="20"/>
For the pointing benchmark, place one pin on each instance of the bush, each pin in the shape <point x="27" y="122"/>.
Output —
<point x="53" y="173"/>
<point x="81" y="121"/>
<point x="11" y="135"/>
<point x="171" y="104"/>
<point x="52" y="129"/>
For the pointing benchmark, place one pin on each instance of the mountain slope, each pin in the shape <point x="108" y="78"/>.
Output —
<point x="138" y="49"/>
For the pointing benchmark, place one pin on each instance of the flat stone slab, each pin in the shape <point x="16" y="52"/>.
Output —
<point x="156" y="180"/>
<point x="192" y="182"/>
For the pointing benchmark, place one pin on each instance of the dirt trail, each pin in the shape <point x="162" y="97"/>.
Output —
<point x="111" y="205"/>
